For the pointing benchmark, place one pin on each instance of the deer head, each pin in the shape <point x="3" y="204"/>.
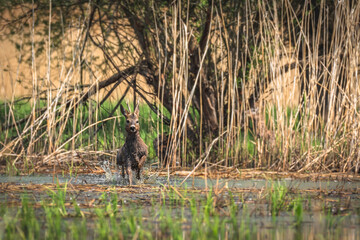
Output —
<point x="132" y="119"/>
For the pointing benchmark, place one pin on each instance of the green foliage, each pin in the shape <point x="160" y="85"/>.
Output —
<point x="277" y="198"/>
<point x="11" y="169"/>
<point x="29" y="224"/>
<point x="59" y="198"/>
<point x="298" y="210"/>
<point x="10" y="227"/>
<point x="55" y="212"/>
<point x="111" y="133"/>
<point x="332" y="221"/>
<point x="77" y="209"/>
<point x="78" y="230"/>
<point x="54" y="223"/>
<point x="196" y="216"/>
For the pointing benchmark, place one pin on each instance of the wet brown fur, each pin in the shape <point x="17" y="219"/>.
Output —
<point x="132" y="155"/>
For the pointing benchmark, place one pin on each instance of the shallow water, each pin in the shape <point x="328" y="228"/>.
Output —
<point x="340" y="197"/>
<point x="196" y="182"/>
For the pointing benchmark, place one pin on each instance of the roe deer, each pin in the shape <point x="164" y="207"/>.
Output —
<point x="132" y="155"/>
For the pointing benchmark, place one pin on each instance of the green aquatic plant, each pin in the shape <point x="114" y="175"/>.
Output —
<point x="55" y="211"/>
<point x="298" y="210"/>
<point x="131" y="221"/>
<point x="201" y="215"/>
<point x="195" y="219"/>
<point x="209" y="206"/>
<point x="246" y="229"/>
<point x="114" y="202"/>
<point x="10" y="230"/>
<point x="332" y="221"/>
<point x="24" y="225"/>
<point x="103" y="229"/>
<point x="107" y="223"/>
<point x="11" y="169"/>
<point x="78" y="230"/>
<point x="58" y="197"/>
<point x="3" y="207"/>
<point x="233" y="212"/>
<point x="54" y="223"/>
<point x="77" y="210"/>
<point x="277" y="198"/>
<point x="170" y="225"/>
<point x="29" y="224"/>
<point x="73" y="169"/>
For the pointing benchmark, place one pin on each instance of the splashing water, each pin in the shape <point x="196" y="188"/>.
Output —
<point x="105" y="165"/>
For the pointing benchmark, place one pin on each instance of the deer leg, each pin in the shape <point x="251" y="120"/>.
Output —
<point x="138" y="173"/>
<point x="123" y="170"/>
<point x="142" y="162"/>
<point x="129" y="173"/>
<point x="120" y="161"/>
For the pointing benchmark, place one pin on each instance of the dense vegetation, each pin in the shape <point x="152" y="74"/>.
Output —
<point x="262" y="84"/>
<point x="177" y="213"/>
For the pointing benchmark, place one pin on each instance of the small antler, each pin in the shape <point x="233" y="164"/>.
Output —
<point x="127" y="103"/>
<point x="136" y="110"/>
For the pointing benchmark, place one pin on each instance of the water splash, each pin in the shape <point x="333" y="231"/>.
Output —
<point x="105" y="165"/>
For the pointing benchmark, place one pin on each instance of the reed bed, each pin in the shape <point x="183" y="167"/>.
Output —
<point x="271" y="85"/>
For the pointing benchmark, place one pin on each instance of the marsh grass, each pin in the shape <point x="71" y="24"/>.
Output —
<point x="109" y="135"/>
<point x="278" y="198"/>
<point x="105" y="140"/>
<point x="297" y="207"/>
<point x="286" y="91"/>
<point x="29" y="225"/>
<point x="181" y="214"/>
<point x="58" y="198"/>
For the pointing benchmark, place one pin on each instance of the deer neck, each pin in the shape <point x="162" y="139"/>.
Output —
<point x="132" y="136"/>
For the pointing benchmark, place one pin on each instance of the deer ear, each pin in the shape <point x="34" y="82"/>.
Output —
<point x="123" y="111"/>
<point x="136" y="111"/>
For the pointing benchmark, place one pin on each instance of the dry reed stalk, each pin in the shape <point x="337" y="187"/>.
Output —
<point x="302" y="119"/>
<point x="203" y="159"/>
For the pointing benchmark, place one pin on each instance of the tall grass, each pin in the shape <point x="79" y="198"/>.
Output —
<point x="287" y="93"/>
